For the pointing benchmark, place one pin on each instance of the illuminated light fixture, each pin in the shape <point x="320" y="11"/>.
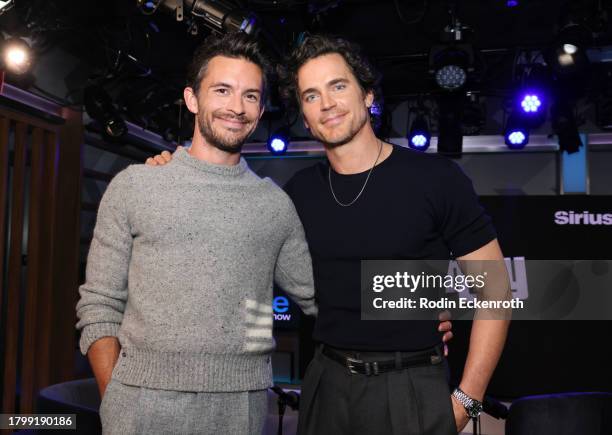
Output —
<point x="532" y="96"/>
<point x="570" y="49"/>
<point x="6" y="5"/>
<point x="16" y="56"/>
<point x="279" y="141"/>
<point x="278" y="145"/>
<point x="517" y="139"/>
<point x="531" y="103"/>
<point x="567" y="55"/>
<point x="419" y="137"/>
<point x="516" y="135"/>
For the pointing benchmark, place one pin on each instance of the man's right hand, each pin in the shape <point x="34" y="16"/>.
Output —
<point x="103" y="355"/>
<point x="161" y="159"/>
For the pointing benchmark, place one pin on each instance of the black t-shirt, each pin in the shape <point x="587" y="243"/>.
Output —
<point x="415" y="206"/>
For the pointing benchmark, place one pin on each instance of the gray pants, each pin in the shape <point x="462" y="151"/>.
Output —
<point x="127" y="409"/>
<point x="412" y="401"/>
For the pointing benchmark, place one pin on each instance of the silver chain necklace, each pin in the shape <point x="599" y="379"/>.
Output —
<point x="364" y="184"/>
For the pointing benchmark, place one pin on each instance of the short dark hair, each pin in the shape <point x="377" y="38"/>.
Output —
<point x="317" y="45"/>
<point x="237" y="45"/>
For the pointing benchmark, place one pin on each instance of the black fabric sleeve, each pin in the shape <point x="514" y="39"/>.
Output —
<point x="464" y="225"/>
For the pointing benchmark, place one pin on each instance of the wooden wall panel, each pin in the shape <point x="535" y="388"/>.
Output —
<point x="47" y="252"/>
<point x="14" y="271"/>
<point x="66" y="251"/>
<point x="38" y="317"/>
<point x="33" y="256"/>
<point x="4" y="155"/>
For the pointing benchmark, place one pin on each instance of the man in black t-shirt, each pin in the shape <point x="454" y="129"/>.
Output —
<point x="373" y="200"/>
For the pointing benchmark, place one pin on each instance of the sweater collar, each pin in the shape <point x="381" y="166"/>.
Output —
<point x="183" y="157"/>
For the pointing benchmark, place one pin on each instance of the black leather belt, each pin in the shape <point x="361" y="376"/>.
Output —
<point x="368" y="368"/>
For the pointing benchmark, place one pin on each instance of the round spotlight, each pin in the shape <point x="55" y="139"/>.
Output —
<point x="278" y="145"/>
<point x="516" y="139"/>
<point x="451" y="77"/>
<point x="279" y="141"/>
<point x="516" y="132"/>
<point x="531" y="103"/>
<point x="450" y="63"/>
<point x="17" y="55"/>
<point x="567" y="55"/>
<point x="566" y="60"/>
<point x="531" y="99"/>
<point x="418" y="141"/>
<point x="570" y="48"/>
<point x="419" y="136"/>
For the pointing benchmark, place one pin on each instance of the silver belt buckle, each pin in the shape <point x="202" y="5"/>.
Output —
<point x="350" y="365"/>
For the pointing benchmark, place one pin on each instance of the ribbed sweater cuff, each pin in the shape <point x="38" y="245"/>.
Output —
<point x="194" y="372"/>
<point x="95" y="331"/>
<point x="311" y="310"/>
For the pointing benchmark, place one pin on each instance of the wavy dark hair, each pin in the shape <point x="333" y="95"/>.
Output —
<point x="237" y="45"/>
<point x="317" y="45"/>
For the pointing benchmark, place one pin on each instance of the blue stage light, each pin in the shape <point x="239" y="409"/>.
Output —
<point x="279" y="141"/>
<point x="531" y="103"/>
<point x="517" y="138"/>
<point x="516" y="133"/>
<point x="418" y="141"/>
<point x="419" y="136"/>
<point x="278" y="145"/>
<point x="532" y="97"/>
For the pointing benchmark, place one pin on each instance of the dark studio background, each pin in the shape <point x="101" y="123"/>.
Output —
<point x="56" y="158"/>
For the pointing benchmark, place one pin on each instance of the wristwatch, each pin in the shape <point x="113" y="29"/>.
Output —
<point x="472" y="406"/>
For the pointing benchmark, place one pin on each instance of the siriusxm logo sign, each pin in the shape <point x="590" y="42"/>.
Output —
<point x="280" y="306"/>
<point x="582" y="218"/>
<point x="517" y="274"/>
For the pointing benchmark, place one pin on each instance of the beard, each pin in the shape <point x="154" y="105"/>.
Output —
<point x="230" y="143"/>
<point x="330" y="143"/>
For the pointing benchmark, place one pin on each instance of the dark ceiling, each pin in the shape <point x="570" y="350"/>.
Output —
<point x="141" y="59"/>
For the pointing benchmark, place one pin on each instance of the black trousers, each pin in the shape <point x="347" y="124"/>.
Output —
<point x="415" y="400"/>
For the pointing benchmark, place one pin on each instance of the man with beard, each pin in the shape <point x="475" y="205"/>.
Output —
<point x="374" y="200"/>
<point x="176" y="311"/>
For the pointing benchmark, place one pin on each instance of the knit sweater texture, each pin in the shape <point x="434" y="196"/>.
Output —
<point x="181" y="270"/>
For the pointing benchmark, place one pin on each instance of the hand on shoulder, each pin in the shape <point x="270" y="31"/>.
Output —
<point x="161" y="159"/>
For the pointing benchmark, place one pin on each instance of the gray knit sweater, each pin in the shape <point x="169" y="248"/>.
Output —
<point x="181" y="268"/>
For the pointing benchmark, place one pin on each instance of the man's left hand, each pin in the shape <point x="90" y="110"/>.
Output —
<point x="461" y="417"/>
<point x="445" y="326"/>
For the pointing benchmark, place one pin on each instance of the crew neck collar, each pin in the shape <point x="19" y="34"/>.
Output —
<point x="236" y="170"/>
